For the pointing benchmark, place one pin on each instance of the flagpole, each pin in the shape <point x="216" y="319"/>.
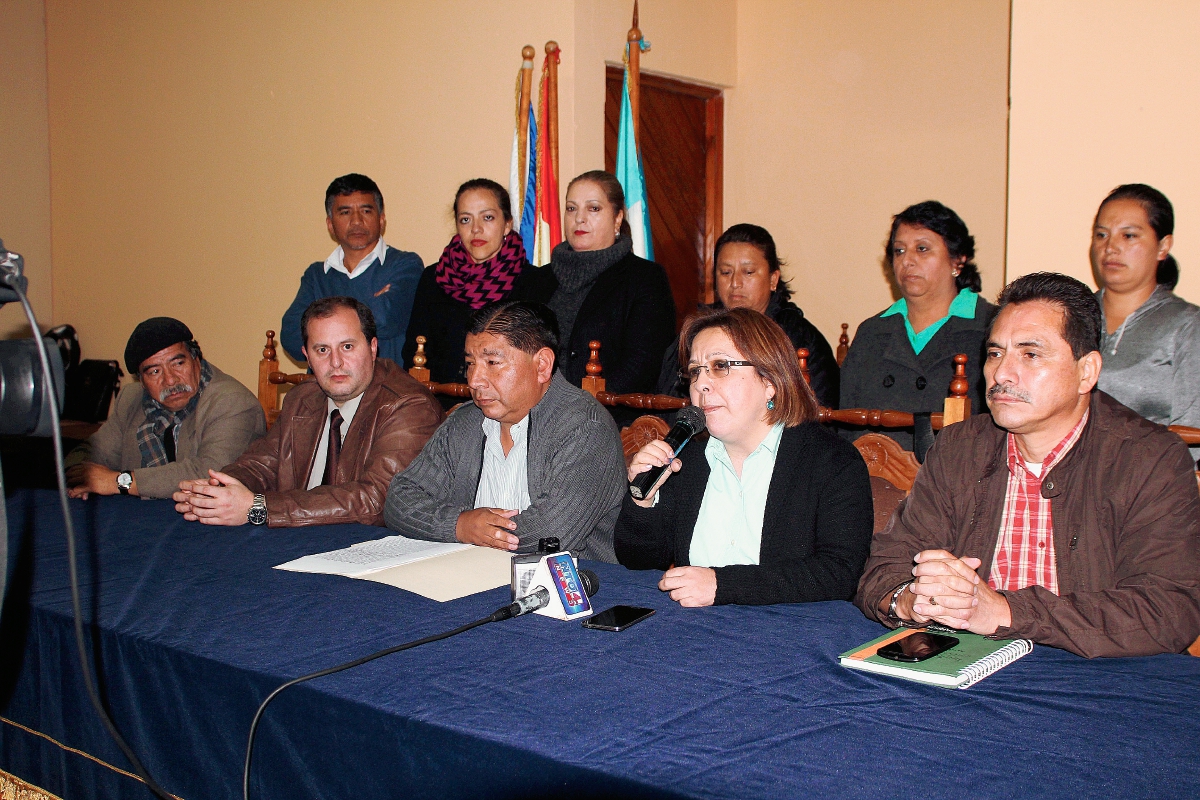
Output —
<point x="527" y="55"/>
<point x="552" y="106"/>
<point x="635" y="52"/>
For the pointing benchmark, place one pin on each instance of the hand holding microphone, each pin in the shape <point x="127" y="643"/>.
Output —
<point x="657" y="457"/>
<point x="655" y="462"/>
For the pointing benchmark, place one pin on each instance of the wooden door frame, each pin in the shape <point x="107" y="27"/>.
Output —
<point x="714" y="167"/>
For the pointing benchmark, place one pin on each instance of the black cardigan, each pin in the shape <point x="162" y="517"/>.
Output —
<point x="816" y="531"/>
<point x="442" y="320"/>
<point x="630" y="310"/>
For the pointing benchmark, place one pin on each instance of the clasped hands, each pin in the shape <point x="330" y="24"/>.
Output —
<point x="220" y="500"/>
<point x="947" y="590"/>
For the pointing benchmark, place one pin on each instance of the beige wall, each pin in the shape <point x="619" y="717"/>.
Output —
<point x="192" y="144"/>
<point x="845" y="113"/>
<point x="25" y="157"/>
<point x="1103" y="93"/>
<point x="689" y="39"/>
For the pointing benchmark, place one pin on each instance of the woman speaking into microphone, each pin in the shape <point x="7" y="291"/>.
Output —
<point x="767" y="506"/>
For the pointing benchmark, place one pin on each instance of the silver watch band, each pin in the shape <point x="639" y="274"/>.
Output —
<point x="892" y="616"/>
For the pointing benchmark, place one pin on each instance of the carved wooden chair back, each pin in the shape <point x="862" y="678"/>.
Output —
<point x="270" y="379"/>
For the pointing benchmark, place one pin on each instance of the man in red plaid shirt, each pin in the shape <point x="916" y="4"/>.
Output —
<point x="1064" y="517"/>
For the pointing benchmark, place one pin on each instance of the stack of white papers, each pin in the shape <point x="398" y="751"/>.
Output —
<point x="367" y="557"/>
<point x="437" y="570"/>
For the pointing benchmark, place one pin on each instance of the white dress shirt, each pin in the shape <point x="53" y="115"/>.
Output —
<point x="349" y="409"/>
<point x="504" y="480"/>
<point x="337" y="258"/>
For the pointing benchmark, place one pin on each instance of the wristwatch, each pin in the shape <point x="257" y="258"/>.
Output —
<point x="257" y="515"/>
<point x="892" y="616"/>
<point x="124" y="481"/>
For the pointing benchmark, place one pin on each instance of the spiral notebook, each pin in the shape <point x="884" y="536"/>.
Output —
<point x="970" y="661"/>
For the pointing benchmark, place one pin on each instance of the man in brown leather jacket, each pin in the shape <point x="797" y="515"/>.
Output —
<point x="1064" y="517"/>
<point x="338" y="440"/>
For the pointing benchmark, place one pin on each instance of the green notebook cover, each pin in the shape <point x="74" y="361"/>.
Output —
<point x="972" y="659"/>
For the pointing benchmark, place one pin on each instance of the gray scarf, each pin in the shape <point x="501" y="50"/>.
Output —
<point x="576" y="271"/>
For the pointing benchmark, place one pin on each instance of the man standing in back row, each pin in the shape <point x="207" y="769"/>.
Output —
<point x="363" y="267"/>
<point x="1064" y="517"/>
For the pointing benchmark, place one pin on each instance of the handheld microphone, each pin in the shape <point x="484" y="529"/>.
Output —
<point x="689" y="422"/>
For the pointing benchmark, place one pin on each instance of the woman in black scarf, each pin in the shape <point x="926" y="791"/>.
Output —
<point x="484" y="262"/>
<point x="605" y="292"/>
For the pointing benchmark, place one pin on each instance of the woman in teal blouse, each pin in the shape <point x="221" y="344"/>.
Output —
<point x="764" y="507"/>
<point x="903" y="358"/>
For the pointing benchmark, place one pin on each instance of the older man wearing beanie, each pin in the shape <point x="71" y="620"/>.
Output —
<point x="181" y="418"/>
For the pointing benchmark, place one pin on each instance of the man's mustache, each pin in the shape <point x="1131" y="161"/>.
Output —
<point x="179" y="388"/>
<point x="1011" y="391"/>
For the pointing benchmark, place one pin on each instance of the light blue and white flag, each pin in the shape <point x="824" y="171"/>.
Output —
<point x="633" y="180"/>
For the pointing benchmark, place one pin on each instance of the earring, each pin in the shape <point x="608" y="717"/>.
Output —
<point x="771" y="404"/>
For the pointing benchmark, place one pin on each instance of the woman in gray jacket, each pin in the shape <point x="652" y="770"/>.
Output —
<point x="1151" y="338"/>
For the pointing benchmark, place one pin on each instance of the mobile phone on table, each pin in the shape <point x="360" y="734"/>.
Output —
<point x="917" y="647"/>
<point x="617" y="618"/>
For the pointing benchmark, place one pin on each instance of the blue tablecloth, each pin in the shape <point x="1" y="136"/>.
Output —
<point x="192" y="628"/>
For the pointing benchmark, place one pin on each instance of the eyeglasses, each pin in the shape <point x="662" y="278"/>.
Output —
<point x="718" y="368"/>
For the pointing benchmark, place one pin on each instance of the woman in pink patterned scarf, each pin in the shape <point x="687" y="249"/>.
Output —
<point x="484" y="262"/>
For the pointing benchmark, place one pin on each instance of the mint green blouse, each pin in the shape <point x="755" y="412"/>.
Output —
<point x="729" y="526"/>
<point x="963" y="305"/>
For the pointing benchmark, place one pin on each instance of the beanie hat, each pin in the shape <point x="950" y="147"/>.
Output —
<point x="156" y="333"/>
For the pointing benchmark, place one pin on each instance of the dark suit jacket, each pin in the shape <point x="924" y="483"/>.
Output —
<point x="395" y="418"/>
<point x="882" y="371"/>
<point x="630" y="310"/>
<point x="816" y="531"/>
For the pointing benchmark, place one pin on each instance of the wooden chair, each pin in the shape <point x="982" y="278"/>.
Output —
<point x="957" y="406"/>
<point x="270" y="379"/>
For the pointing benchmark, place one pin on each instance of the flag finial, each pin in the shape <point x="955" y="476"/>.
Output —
<point x="527" y="52"/>
<point x="635" y="13"/>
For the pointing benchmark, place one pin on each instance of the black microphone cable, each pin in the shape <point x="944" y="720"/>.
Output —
<point x="530" y="602"/>
<point x="12" y="280"/>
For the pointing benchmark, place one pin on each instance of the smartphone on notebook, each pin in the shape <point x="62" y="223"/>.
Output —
<point x="917" y="647"/>
<point x="617" y="618"/>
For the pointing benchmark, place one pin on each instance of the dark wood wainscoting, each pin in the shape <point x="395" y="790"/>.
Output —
<point x="682" y="128"/>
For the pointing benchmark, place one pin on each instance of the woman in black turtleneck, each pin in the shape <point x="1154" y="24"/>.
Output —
<point x="605" y="292"/>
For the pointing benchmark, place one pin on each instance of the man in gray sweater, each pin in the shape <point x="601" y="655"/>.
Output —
<point x="180" y="419"/>
<point x="532" y="456"/>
